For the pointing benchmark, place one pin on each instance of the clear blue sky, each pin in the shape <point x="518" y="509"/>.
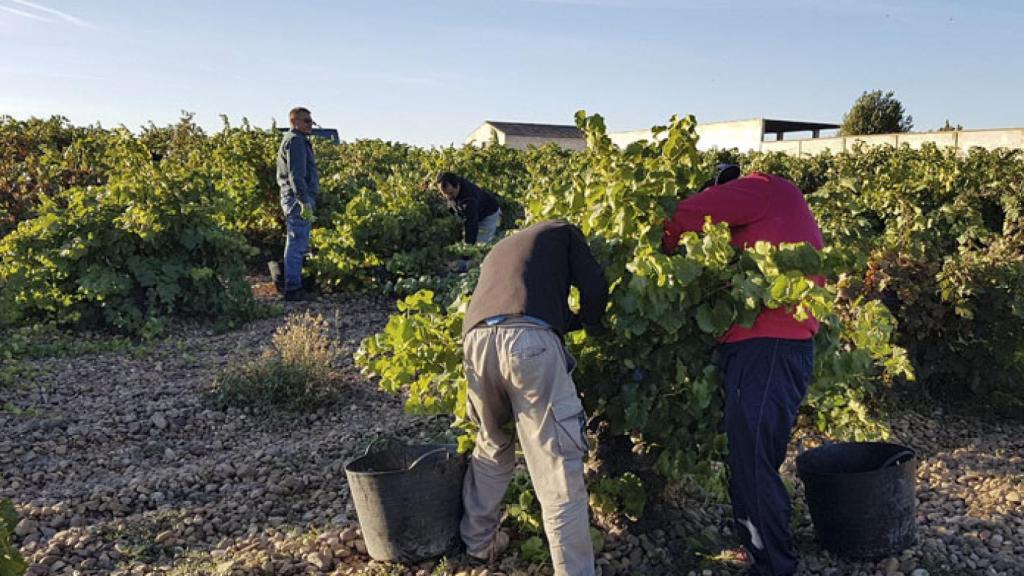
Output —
<point x="428" y="72"/>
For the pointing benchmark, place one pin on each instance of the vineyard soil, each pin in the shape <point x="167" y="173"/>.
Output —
<point x="119" y="464"/>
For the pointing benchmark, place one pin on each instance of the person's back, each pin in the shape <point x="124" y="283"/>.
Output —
<point x="530" y="272"/>
<point x="297" y="176"/>
<point x="757" y="207"/>
<point x="787" y="218"/>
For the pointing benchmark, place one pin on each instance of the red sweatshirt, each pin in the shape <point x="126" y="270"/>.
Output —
<point x="756" y="207"/>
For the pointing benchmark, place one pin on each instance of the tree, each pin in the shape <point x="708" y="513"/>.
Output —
<point x="947" y="127"/>
<point x="876" y="113"/>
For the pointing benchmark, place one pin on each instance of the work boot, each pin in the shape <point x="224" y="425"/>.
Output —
<point x="498" y="546"/>
<point x="299" y="295"/>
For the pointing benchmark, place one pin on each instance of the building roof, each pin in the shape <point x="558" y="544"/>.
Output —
<point x="793" y="126"/>
<point x="537" y="130"/>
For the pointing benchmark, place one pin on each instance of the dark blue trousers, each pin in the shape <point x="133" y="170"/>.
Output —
<point x="765" y="381"/>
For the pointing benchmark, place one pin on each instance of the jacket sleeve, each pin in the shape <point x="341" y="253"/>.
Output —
<point x="296" y="155"/>
<point x="471" y="219"/>
<point x="736" y="203"/>
<point x="588" y="277"/>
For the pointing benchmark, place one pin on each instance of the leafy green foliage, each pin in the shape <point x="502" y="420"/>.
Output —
<point x="523" y="515"/>
<point x="939" y="239"/>
<point x="534" y="550"/>
<point x="876" y="113"/>
<point x="380" y="225"/>
<point x="39" y="158"/>
<point x="935" y="235"/>
<point x="395" y="233"/>
<point x="419" y="352"/>
<point x="11" y="562"/>
<point x="522" y="509"/>
<point x="625" y="495"/>
<point x="387" y="232"/>
<point x="127" y="256"/>
<point x="242" y="164"/>
<point x="654" y="378"/>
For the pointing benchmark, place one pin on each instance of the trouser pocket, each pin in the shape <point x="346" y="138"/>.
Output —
<point x="570" y="361"/>
<point x="570" y="428"/>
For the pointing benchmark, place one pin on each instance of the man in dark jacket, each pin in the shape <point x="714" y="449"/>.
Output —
<point x="299" y="182"/>
<point x="476" y="206"/>
<point x="519" y="371"/>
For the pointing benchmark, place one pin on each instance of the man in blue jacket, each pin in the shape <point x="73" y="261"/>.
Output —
<point x="299" y="181"/>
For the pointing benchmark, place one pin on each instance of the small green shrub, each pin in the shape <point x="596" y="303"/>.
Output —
<point x="46" y="340"/>
<point x="625" y="495"/>
<point x="11" y="562"/>
<point x="294" y="372"/>
<point x="523" y="515"/>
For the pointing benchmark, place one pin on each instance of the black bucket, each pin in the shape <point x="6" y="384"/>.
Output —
<point x="861" y="497"/>
<point x="409" y="500"/>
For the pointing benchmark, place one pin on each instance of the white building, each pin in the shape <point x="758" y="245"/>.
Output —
<point x="745" y="135"/>
<point x="757" y="134"/>
<point x="519" y="135"/>
<point x="765" y="135"/>
<point x="962" y="140"/>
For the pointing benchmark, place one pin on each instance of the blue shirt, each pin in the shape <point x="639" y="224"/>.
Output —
<point x="297" y="175"/>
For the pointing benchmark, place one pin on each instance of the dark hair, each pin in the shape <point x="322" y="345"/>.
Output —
<point x="724" y="172"/>
<point x="448" y="178"/>
<point x="296" y="111"/>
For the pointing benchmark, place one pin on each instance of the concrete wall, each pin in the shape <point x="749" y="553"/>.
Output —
<point x="819" y="145"/>
<point x="1010" y="138"/>
<point x="742" y="134"/>
<point x="872" y="140"/>
<point x="746" y="135"/>
<point x="940" y="139"/>
<point x="961" y="139"/>
<point x="522" y="142"/>
<point x="623" y="139"/>
<point x="787" y="146"/>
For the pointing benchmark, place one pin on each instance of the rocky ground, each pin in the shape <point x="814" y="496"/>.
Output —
<point x="120" y="464"/>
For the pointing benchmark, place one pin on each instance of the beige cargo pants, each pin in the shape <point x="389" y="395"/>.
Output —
<point x="519" y="372"/>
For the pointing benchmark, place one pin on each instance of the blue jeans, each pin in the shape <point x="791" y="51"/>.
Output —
<point x="765" y="381"/>
<point x="296" y="246"/>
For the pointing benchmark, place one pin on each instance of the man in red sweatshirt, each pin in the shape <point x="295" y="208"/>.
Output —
<point x="766" y="368"/>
